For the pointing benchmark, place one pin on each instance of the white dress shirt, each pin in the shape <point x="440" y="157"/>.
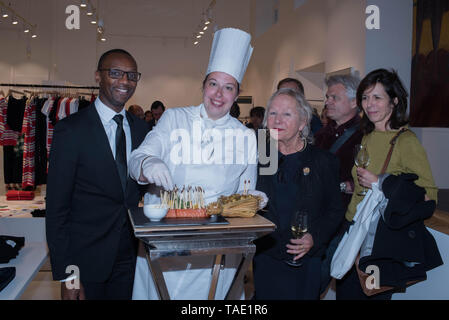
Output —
<point x="110" y="126"/>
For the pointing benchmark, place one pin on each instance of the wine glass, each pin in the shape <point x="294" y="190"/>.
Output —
<point x="299" y="229"/>
<point x="361" y="160"/>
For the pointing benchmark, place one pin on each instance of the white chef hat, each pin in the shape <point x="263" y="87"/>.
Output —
<point x="230" y="53"/>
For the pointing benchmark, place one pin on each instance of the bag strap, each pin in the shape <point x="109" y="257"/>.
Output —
<point x="343" y="138"/>
<point x="390" y="152"/>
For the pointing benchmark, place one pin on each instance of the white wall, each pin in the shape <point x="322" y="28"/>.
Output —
<point x="391" y="47"/>
<point x="346" y="35"/>
<point x="435" y="141"/>
<point x="328" y="32"/>
<point x="156" y="32"/>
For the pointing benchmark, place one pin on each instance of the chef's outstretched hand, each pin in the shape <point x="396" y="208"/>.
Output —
<point x="154" y="170"/>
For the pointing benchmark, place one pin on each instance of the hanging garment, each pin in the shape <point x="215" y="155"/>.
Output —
<point x="13" y="154"/>
<point x="29" y="131"/>
<point x="8" y="137"/>
<point x="16" y="110"/>
<point x="47" y="108"/>
<point x="40" y="147"/>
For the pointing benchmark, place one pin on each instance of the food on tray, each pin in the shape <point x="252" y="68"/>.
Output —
<point x="185" y="203"/>
<point x="186" y="213"/>
<point x="189" y="203"/>
<point x="237" y="205"/>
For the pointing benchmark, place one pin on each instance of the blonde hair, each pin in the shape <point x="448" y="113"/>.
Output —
<point x="302" y="106"/>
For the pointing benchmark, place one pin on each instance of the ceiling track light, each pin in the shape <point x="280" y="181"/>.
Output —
<point x="16" y="19"/>
<point x="205" y="22"/>
<point x="92" y="12"/>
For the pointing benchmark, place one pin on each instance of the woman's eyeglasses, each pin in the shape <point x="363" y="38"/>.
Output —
<point x="118" y="74"/>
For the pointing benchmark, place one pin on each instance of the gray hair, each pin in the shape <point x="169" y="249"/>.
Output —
<point x="350" y="82"/>
<point x="302" y="106"/>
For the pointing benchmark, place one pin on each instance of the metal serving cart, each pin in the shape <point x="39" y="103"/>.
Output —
<point x="215" y="236"/>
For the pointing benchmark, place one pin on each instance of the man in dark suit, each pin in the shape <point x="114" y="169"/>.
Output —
<point x="157" y="109"/>
<point x="89" y="191"/>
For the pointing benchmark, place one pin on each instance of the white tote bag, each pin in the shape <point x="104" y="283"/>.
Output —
<point x="349" y="246"/>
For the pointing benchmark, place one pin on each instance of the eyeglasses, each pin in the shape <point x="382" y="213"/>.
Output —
<point x="118" y="74"/>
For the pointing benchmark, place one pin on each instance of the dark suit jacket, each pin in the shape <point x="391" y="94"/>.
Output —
<point x="327" y="136"/>
<point x="86" y="206"/>
<point x="151" y="124"/>
<point x="319" y="195"/>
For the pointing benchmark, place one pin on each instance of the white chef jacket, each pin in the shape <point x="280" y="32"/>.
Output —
<point x="228" y="158"/>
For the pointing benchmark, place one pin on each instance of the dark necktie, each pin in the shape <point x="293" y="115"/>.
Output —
<point x="120" y="150"/>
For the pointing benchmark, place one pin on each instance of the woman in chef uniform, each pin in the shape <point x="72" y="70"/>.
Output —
<point x="199" y="146"/>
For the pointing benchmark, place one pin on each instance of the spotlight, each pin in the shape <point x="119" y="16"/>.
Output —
<point x="196" y="42"/>
<point x="5" y="14"/>
<point x="205" y="28"/>
<point x="83" y="4"/>
<point x="15" y="21"/>
<point x="90" y="11"/>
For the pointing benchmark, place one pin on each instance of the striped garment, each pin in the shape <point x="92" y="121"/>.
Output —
<point x="48" y="105"/>
<point x="29" y="132"/>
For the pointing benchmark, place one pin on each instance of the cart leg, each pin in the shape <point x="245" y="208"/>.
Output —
<point x="215" y="274"/>
<point x="158" y="276"/>
<point x="234" y="290"/>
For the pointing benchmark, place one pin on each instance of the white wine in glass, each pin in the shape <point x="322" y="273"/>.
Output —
<point x="298" y="229"/>
<point x="361" y="160"/>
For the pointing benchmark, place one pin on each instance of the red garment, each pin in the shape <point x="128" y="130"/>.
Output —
<point x="67" y="107"/>
<point x="29" y="132"/>
<point x="58" y="107"/>
<point x="19" y="195"/>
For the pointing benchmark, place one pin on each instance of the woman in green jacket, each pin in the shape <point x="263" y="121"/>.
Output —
<point x="383" y="99"/>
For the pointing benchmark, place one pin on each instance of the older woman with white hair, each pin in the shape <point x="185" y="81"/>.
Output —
<point x="306" y="181"/>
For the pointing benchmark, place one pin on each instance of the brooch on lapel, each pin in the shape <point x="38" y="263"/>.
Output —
<point x="306" y="171"/>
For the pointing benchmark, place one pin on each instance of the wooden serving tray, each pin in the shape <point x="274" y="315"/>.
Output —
<point x="141" y="221"/>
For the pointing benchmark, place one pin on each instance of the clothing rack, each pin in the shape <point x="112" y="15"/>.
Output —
<point x="47" y="86"/>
